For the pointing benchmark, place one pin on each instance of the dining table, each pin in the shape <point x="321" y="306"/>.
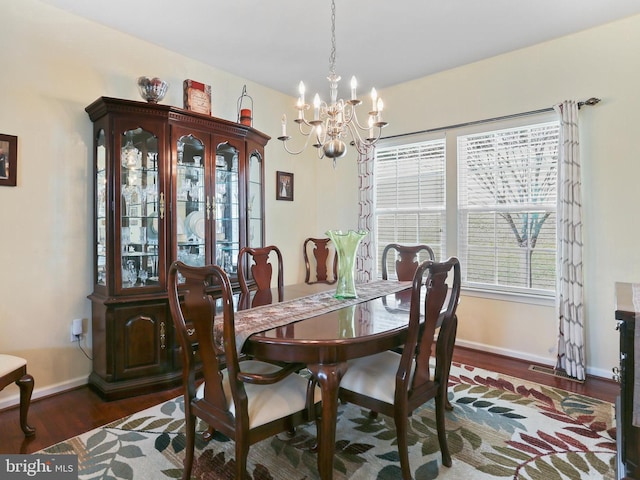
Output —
<point x="324" y="333"/>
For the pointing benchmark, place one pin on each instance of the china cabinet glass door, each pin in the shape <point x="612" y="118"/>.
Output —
<point x="101" y="209"/>
<point x="227" y="208"/>
<point x="140" y="209"/>
<point x="191" y="201"/>
<point x="254" y="201"/>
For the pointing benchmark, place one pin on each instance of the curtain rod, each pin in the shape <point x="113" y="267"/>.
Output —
<point x="589" y="102"/>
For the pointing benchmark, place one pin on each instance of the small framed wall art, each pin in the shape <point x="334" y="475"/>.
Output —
<point x="284" y="186"/>
<point x="197" y="97"/>
<point x="8" y="160"/>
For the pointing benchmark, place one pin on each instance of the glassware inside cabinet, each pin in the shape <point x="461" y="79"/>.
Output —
<point x="139" y="208"/>
<point x="227" y="215"/>
<point x="190" y="201"/>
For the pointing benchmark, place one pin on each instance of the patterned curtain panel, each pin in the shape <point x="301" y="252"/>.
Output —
<point x="571" y="349"/>
<point x="364" y="260"/>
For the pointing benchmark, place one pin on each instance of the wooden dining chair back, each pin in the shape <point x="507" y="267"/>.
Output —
<point x="14" y="370"/>
<point x="255" y="275"/>
<point x="407" y="259"/>
<point x="324" y="266"/>
<point x="248" y="400"/>
<point x="396" y="384"/>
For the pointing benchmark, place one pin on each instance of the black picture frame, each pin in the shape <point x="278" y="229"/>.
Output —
<point x="284" y="186"/>
<point x="8" y="160"/>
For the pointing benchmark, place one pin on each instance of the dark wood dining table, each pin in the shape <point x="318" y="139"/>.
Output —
<point x="325" y="342"/>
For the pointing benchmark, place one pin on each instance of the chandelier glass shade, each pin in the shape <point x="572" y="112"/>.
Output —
<point x="332" y="123"/>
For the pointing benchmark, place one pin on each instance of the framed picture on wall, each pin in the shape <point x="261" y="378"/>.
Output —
<point x="8" y="160"/>
<point x="284" y="186"/>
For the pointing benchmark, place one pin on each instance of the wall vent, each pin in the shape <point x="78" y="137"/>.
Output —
<point x="553" y="372"/>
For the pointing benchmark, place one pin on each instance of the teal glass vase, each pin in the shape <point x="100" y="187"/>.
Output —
<point x="346" y="244"/>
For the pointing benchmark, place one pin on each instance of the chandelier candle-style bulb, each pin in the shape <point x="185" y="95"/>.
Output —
<point x="374" y="99"/>
<point x="380" y="106"/>
<point x="301" y="92"/>
<point x="318" y="130"/>
<point x="300" y="106"/>
<point x="316" y="107"/>
<point x="284" y="125"/>
<point x="335" y="120"/>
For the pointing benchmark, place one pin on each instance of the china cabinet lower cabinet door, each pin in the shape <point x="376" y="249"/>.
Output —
<point x="141" y="340"/>
<point x="136" y="356"/>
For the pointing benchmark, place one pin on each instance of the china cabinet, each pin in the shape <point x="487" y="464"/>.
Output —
<point x="169" y="184"/>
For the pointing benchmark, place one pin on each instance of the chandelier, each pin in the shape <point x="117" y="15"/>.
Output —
<point x="337" y="120"/>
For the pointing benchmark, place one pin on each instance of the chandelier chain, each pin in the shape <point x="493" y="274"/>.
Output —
<point x="332" y="55"/>
<point x="336" y="119"/>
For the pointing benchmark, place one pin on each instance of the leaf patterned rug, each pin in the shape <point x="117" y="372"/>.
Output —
<point x="501" y="427"/>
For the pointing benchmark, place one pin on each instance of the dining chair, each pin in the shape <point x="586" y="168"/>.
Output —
<point x="256" y="264"/>
<point x="14" y="370"/>
<point x="408" y="257"/>
<point x="324" y="254"/>
<point x="397" y="384"/>
<point x="248" y="400"/>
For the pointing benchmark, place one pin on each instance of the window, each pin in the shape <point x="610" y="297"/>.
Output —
<point x="507" y="207"/>
<point x="410" y="195"/>
<point x="505" y="179"/>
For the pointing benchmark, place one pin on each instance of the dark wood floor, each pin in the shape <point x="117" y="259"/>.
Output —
<point x="71" y="413"/>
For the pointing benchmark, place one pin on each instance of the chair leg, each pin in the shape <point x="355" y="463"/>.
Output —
<point x="190" y="427"/>
<point x="318" y="418"/>
<point x="441" y="405"/>
<point x="208" y="434"/>
<point x="242" y="451"/>
<point x="25" y="383"/>
<point x="451" y="342"/>
<point x="402" y="426"/>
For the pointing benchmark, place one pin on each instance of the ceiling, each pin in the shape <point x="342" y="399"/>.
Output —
<point x="277" y="43"/>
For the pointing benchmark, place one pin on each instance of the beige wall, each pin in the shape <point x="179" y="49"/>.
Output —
<point x="56" y="64"/>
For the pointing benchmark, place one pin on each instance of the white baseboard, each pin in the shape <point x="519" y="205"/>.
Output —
<point x="14" y="399"/>
<point x="548" y="361"/>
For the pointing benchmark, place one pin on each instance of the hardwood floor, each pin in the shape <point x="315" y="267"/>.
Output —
<point x="71" y="413"/>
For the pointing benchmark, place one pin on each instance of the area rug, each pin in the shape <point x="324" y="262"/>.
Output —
<point x="500" y="427"/>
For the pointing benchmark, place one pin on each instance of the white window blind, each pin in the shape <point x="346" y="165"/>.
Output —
<point x="507" y="208"/>
<point x="410" y="196"/>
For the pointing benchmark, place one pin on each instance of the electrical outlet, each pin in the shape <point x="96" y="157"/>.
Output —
<point x="76" y="330"/>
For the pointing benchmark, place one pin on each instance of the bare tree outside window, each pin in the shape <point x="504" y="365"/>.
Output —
<point x="508" y="202"/>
